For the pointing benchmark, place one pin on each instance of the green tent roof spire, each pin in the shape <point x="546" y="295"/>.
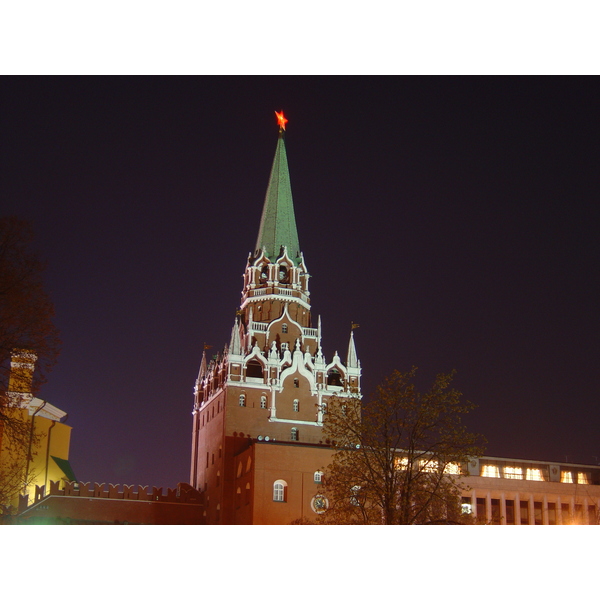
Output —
<point x="278" y="223"/>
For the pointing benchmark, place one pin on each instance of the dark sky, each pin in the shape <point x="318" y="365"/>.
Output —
<point x="454" y="219"/>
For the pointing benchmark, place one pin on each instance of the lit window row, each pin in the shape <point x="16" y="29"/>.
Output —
<point x="427" y="465"/>
<point x="572" y="477"/>
<point x="512" y="473"/>
<point x="509" y="472"/>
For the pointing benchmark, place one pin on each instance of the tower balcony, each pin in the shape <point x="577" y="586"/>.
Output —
<point x="276" y="293"/>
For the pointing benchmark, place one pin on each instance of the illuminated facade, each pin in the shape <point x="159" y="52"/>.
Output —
<point x="257" y="449"/>
<point x="260" y="403"/>
<point x="525" y="492"/>
<point x="48" y="459"/>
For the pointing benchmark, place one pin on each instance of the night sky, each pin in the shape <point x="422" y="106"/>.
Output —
<point x="455" y="219"/>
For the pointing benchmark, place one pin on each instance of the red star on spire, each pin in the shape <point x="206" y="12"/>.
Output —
<point x="281" y="120"/>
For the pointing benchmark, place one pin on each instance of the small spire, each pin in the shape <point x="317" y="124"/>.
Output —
<point x="235" y="345"/>
<point x="352" y="360"/>
<point x="202" y="370"/>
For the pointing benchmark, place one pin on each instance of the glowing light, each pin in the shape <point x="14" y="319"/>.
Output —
<point x="452" y="469"/>
<point x="582" y="479"/>
<point x="566" y="477"/>
<point x="490" y="471"/>
<point x="534" y="475"/>
<point x="429" y="466"/>
<point x="401" y="464"/>
<point x="513" y="473"/>
<point x="281" y="120"/>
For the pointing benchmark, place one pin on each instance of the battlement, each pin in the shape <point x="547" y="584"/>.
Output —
<point x="182" y="494"/>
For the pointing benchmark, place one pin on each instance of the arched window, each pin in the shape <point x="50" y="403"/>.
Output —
<point x="264" y="274"/>
<point x="294" y="434"/>
<point x="263" y="402"/>
<point x="334" y="377"/>
<point x="296" y="405"/>
<point x="284" y="328"/>
<point x="318" y="476"/>
<point x="242" y="399"/>
<point x="280" y="491"/>
<point x="248" y="495"/>
<point x="254" y="369"/>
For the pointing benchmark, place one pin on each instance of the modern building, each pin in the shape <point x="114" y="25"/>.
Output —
<point x="505" y="491"/>
<point x="257" y="447"/>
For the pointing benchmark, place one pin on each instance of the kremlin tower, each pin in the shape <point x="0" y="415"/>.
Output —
<point x="257" y="447"/>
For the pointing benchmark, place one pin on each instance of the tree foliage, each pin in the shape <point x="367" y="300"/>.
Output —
<point x="399" y="457"/>
<point x="26" y="325"/>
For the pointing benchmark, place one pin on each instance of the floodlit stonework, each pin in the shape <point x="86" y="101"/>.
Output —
<point x="257" y="445"/>
<point x="259" y="404"/>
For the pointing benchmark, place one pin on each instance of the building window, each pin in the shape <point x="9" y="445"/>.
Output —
<point x="566" y="477"/>
<point x="534" y="475"/>
<point x="242" y="400"/>
<point x="592" y="516"/>
<point x="334" y="378"/>
<point x="513" y="473"/>
<point x="284" y="328"/>
<point x="263" y="402"/>
<point x="510" y="512"/>
<point x="582" y="478"/>
<point x="428" y="465"/>
<point x="294" y="434"/>
<point x="296" y="383"/>
<point x="490" y="471"/>
<point x="465" y="506"/>
<point x="254" y="369"/>
<point x="318" y="476"/>
<point x="296" y="405"/>
<point x="481" y="510"/>
<point x="495" y="511"/>
<point x="280" y="491"/>
<point x="400" y="463"/>
<point x="452" y="469"/>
